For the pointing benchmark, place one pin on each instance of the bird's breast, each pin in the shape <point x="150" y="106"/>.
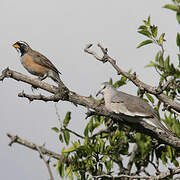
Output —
<point x="32" y="67"/>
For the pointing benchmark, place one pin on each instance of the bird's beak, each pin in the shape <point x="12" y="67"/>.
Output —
<point x="15" y="45"/>
<point x="99" y="92"/>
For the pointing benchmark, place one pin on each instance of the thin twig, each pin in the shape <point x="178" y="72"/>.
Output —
<point x="131" y="159"/>
<point x="73" y="132"/>
<point x="33" y="146"/>
<point x="46" y="162"/>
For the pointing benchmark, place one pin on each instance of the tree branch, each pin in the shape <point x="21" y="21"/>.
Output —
<point x="39" y="97"/>
<point x="91" y="103"/>
<point x="44" y="151"/>
<point x="120" y="177"/>
<point x="131" y="159"/>
<point x="46" y="162"/>
<point x="163" y="175"/>
<point x="153" y="90"/>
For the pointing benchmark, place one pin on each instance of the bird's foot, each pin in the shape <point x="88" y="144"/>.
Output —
<point x="42" y="77"/>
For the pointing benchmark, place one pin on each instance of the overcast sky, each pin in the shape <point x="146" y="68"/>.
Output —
<point x="60" y="30"/>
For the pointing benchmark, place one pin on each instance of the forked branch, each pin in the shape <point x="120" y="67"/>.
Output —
<point x="132" y="77"/>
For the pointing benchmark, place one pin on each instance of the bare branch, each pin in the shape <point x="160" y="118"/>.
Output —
<point x="92" y="52"/>
<point x="39" y="97"/>
<point x="7" y="73"/>
<point x="46" y="162"/>
<point x="131" y="159"/>
<point x="134" y="79"/>
<point x="16" y="139"/>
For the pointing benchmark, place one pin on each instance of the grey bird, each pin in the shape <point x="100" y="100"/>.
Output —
<point x="133" y="107"/>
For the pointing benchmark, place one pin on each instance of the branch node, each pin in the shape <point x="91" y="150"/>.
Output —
<point x="5" y="73"/>
<point x="104" y="50"/>
<point x="134" y="76"/>
<point x="87" y="47"/>
<point x="13" y="139"/>
<point x="89" y="114"/>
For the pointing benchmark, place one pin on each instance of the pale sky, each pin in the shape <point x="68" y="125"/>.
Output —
<point x="60" y="30"/>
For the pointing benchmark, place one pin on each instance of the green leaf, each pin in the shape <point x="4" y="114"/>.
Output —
<point x="171" y="7"/>
<point x="159" y="53"/>
<point x="151" y="64"/>
<point x="169" y="152"/>
<point x="161" y="38"/>
<point x="175" y="162"/>
<point x="55" y="129"/>
<point x="103" y="159"/>
<point x="66" y="136"/>
<point x="110" y="81"/>
<point x="148" y="21"/>
<point x="178" y="17"/>
<point x="142" y="27"/>
<point x="151" y="99"/>
<point x="67" y="119"/>
<point x="154" y="30"/>
<point x="145" y="33"/>
<point x="166" y="63"/>
<point x="57" y="165"/>
<point x="69" y="172"/>
<point x="108" y="165"/>
<point x="144" y="43"/>
<point x="90" y="125"/>
<point x="121" y="82"/>
<point x="61" y="138"/>
<point x="163" y="158"/>
<point x="102" y="144"/>
<point x="70" y="149"/>
<point x="60" y="168"/>
<point x="178" y="39"/>
<point x="86" y="131"/>
<point x="179" y="59"/>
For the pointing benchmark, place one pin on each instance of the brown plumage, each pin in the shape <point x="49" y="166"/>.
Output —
<point x="36" y="63"/>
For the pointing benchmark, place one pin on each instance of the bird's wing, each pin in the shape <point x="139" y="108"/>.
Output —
<point x="134" y="106"/>
<point x="42" y="60"/>
<point x="157" y="123"/>
<point x="131" y="105"/>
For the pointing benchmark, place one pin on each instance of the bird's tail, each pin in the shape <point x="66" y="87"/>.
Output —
<point x="54" y="76"/>
<point x="157" y="123"/>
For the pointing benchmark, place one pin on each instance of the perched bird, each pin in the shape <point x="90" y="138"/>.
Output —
<point x="36" y="63"/>
<point x="134" y="108"/>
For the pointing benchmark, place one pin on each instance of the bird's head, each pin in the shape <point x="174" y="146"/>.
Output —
<point x="104" y="87"/>
<point x="21" y="47"/>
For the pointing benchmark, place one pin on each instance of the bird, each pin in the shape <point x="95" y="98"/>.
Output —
<point x="36" y="63"/>
<point x="134" y="108"/>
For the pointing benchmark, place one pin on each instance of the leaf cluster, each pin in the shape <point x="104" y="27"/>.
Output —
<point x="175" y="6"/>
<point x="106" y="145"/>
